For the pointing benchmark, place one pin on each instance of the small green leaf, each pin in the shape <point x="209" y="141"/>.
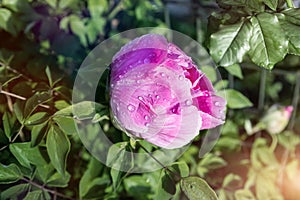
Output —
<point x="244" y="194"/>
<point x="48" y="73"/>
<point x="268" y="44"/>
<point x="196" y="188"/>
<point x="137" y="186"/>
<point x="7" y="124"/>
<point x="14" y="191"/>
<point x="235" y="99"/>
<point x="235" y="70"/>
<point x="57" y="180"/>
<point x="66" y="124"/>
<point x="232" y="180"/>
<point x="181" y="168"/>
<point x="210" y="72"/>
<point x="271" y="3"/>
<point x="9" y="173"/>
<point x="37" y="133"/>
<point x="168" y="183"/>
<point x="27" y="155"/>
<point x="90" y="178"/>
<point x="58" y="147"/>
<point x="18" y="150"/>
<point x="37" y="118"/>
<point x="18" y="109"/>
<point x="37" y="195"/>
<point x="33" y="102"/>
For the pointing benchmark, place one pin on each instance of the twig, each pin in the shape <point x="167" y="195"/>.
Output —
<point x="20" y="97"/>
<point x="42" y="187"/>
<point x="163" y="166"/>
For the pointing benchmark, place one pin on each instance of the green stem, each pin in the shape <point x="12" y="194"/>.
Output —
<point x="161" y="164"/>
<point x="274" y="142"/>
<point x="290" y="3"/>
<point x="53" y="192"/>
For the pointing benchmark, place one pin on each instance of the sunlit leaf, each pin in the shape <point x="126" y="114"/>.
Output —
<point x="268" y="44"/>
<point x="196" y="188"/>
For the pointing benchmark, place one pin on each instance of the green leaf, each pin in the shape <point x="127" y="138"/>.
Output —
<point x="196" y="188"/>
<point x="97" y="7"/>
<point x="244" y="194"/>
<point x="235" y="70"/>
<point x="138" y="187"/>
<point x="81" y="111"/>
<point x="118" y="157"/>
<point x="48" y="73"/>
<point x="166" y="186"/>
<point x="271" y="3"/>
<point x="5" y="23"/>
<point x="37" y="133"/>
<point x="25" y="154"/>
<point x="78" y="28"/>
<point x="33" y="102"/>
<point x="37" y="118"/>
<point x="58" y="147"/>
<point x="66" y="124"/>
<point x="235" y="99"/>
<point x="229" y="45"/>
<point x="17" y="149"/>
<point x="14" y="191"/>
<point x="57" y="180"/>
<point x="9" y="173"/>
<point x="7" y="124"/>
<point x="232" y="181"/>
<point x="91" y="179"/>
<point x="268" y="44"/>
<point x="37" y="195"/>
<point x="52" y="3"/>
<point x="210" y="161"/>
<point x="291" y="25"/>
<point x="210" y="72"/>
<point x="18" y="109"/>
<point x="181" y="168"/>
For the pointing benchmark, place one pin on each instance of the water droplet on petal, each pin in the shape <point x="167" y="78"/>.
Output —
<point x="180" y="77"/>
<point x="131" y="107"/>
<point x="149" y="95"/>
<point x="188" y="102"/>
<point x="217" y="103"/>
<point x="147" y="60"/>
<point x="138" y="81"/>
<point x="147" y="124"/>
<point x="163" y="74"/>
<point x="157" y="96"/>
<point x="140" y="98"/>
<point x="112" y="85"/>
<point x="146" y="117"/>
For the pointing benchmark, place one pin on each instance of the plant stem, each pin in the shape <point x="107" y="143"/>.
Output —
<point x="290" y="4"/>
<point x="163" y="166"/>
<point x="42" y="187"/>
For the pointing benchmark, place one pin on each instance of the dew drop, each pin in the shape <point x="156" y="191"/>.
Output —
<point x="149" y="95"/>
<point x="140" y="98"/>
<point x="188" y="102"/>
<point x="138" y="81"/>
<point x="180" y="77"/>
<point x="157" y="96"/>
<point x="147" y="124"/>
<point x="217" y="103"/>
<point x="163" y="74"/>
<point x="146" y="60"/>
<point x="146" y="117"/>
<point x="131" y="107"/>
<point x="112" y="85"/>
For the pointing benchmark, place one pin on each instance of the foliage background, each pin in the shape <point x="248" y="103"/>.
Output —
<point x="43" y="44"/>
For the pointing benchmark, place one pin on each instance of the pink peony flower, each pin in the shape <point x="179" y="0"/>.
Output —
<point x="159" y="94"/>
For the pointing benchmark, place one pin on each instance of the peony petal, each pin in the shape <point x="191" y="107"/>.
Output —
<point x="149" y="41"/>
<point x="177" y="132"/>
